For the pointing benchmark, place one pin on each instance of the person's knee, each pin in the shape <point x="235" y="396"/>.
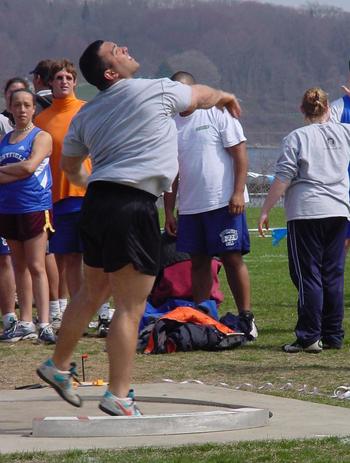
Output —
<point x="73" y="260"/>
<point x="233" y="260"/>
<point x="131" y="312"/>
<point x="36" y="268"/>
<point x="5" y="262"/>
<point x="20" y="266"/>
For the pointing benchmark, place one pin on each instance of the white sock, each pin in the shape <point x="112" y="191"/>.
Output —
<point x="63" y="304"/>
<point x="54" y="309"/>
<point x="43" y="325"/>
<point x="28" y="324"/>
<point x="127" y="399"/>
<point x="103" y="311"/>
<point x="8" y="318"/>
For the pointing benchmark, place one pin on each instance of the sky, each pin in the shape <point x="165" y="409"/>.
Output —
<point x="344" y="4"/>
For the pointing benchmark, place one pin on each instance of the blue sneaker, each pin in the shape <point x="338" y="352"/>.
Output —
<point x="46" y="335"/>
<point x="17" y="332"/>
<point x="119" y="407"/>
<point x="61" y="381"/>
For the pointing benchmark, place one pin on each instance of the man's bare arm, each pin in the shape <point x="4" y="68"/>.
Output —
<point x="240" y="168"/>
<point x="169" y="207"/>
<point x="75" y="170"/>
<point x="204" y="97"/>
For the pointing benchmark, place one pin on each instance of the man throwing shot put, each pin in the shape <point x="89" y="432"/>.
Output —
<point x="129" y="132"/>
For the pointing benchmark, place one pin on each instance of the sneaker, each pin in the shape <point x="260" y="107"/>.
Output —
<point x="56" y="321"/>
<point x="295" y="347"/>
<point x="119" y="407"/>
<point x="248" y="326"/>
<point x="61" y="381"/>
<point x="103" y="326"/>
<point x="46" y="335"/>
<point x="17" y="332"/>
<point x="328" y="345"/>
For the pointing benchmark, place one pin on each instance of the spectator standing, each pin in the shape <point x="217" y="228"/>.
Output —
<point x="7" y="279"/>
<point x="212" y="195"/>
<point x="340" y="112"/>
<point x="43" y="92"/>
<point x="57" y="286"/>
<point x="25" y="203"/>
<point x="67" y="198"/>
<point x="312" y="172"/>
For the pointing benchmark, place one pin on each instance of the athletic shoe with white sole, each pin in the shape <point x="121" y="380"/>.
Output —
<point x="56" y="321"/>
<point x="17" y="332"/>
<point x="328" y="346"/>
<point x="46" y="335"/>
<point x="248" y="326"/>
<point x="103" y="326"/>
<point x="295" y="347"/>
<point x="119" y="407"/>
<point x="61" y="381"/>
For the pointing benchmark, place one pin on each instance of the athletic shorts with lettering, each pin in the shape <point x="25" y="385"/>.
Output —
<point x="66" y="239"/>
<point x="4" y="247"/>
<point x="119" y="225"/>
<point x="23" y="227"/>
<point x="213" y="233"/>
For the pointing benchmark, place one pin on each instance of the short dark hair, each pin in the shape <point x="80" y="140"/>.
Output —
<point x="61" y="64"/>
<point x="43" y="69"/>
<point x="183" y="76"/>
<point x="16" y="80"/>
<point x="92" y="66"/>
<point x="26" y="90"/>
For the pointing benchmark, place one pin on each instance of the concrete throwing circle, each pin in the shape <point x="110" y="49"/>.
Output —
<point x="219" y="417"/>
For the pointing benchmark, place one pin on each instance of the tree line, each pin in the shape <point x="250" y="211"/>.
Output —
<point x="267" y="54"/>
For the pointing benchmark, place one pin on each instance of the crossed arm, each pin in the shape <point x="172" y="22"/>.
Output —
<point x="42" y="148"/>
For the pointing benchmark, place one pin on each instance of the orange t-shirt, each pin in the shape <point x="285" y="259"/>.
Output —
<point x="56" y="120"/>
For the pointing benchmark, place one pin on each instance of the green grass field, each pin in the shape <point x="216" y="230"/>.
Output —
<point x="262" y="362"/>
<point x="327" y="450"/>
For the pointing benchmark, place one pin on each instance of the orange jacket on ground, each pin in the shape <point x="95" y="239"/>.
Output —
<point x="56" y="120"/>
<point x="189" y="315"/>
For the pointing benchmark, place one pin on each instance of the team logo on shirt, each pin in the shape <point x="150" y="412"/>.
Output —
<point x="11" y="157"/>
<point x="331" y="142"/>
<point x="229" y="236"/>
<point x="202" y="127"/>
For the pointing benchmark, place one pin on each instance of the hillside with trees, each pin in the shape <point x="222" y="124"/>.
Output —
<point x="268" y="55"/>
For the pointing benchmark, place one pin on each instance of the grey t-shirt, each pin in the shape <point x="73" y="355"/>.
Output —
<point x="5" y="126"/>
<point x="315" y="160"/>
<point x="130" y="134"/>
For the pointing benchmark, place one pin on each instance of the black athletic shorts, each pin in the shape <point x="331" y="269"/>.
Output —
<point x="119" y="225"/>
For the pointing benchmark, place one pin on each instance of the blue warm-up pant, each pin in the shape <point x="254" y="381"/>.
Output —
<point x="316" y="264"/>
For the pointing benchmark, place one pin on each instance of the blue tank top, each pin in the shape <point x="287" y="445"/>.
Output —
<point x="345" y="117"/>
<point x="32" y="193"/>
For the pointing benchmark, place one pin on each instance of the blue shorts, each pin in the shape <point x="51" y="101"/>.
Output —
<point x="4" y="247"/>
<point x="213" y="233"/>
<point x="66" y="238"/>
